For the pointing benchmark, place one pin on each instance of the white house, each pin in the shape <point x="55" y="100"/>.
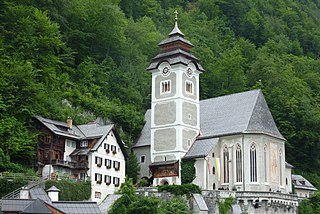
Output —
<point x="80" y="152"/>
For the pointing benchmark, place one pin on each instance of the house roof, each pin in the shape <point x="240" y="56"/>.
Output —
<point x="14" y="204"/>
<point x="37" y="206"/>
<point x="77" y="207"/>
<point x="39" y="193"/>
<point x="82" y="132"/>
<point x="201" y="148"/>
<point x="245" y="112"/>
<point x="300" y="182"/>
<point x="94" y="130"/>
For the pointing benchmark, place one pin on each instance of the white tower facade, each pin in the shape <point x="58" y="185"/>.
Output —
<point x="175" y="121"/>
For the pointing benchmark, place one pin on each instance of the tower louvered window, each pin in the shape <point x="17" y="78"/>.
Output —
<point x="166" y="86"/>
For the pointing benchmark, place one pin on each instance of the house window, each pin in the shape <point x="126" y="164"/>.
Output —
<point x="71" y="143"/>
<point x="253" y="163"/>
<point x="280" y="167"/>
<point x="108" y="163"/>
<point x="114" y="149"/>
<point x="46" y="155"/>
<point x="225" y="164"/>
<point x="165" y="86"/>
<point x="97" y="195"/>
<point x="265" y="163"/>
<point x="116" y="181"/>
<point x="98" y="161"/>
<point x="47" y="139"/>
<point x="238" y="163"/>
<point x="107" y="179"/>
<point x="107" y="147"/>
<point x="84" y="143"/>
<point x="142" y="158"/>
<point x="116" y="165"/>
<point x="98" y="178"/>
<point x="189" y="87"/>
<point x="213" y="170"/>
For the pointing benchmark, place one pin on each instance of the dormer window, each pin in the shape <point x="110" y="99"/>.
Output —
<point x="165" y="86"/>
<point x="189" y="87"/>
<point x="84" y="143"/>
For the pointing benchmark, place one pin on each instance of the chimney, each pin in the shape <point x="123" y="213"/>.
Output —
<point x="69" y="122"/>
<point x="53" y="193"/>
<point x="24" y="193"/>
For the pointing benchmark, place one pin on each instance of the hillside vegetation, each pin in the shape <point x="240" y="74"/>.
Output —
<point x="87" y="58"/>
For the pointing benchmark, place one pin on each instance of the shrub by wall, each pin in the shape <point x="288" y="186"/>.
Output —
<point x="184" y="189"/>
<point x="71" y="191"/>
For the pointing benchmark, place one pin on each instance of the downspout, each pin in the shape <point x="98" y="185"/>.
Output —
<point x="243" y="173"/>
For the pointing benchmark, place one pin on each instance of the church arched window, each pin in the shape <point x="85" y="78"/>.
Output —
<point x="213" y="170"/>
<point x="238" y="163"/>
<point x="280" y="166"/>
<point x="225" y="164"/>
<point x="253" y="163"/>
<point x="265" y="156"/>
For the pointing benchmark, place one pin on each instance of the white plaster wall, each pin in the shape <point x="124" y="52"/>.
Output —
<point x="101" y="152"/>
<point x="288" y="178"/>
<point x="144" y="167"/>
<point x="68" y="150"/>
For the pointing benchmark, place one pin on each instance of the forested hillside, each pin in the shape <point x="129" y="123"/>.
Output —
<point x="87" y="58"/>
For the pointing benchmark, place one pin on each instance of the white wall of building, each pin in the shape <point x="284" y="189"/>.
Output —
<point x="118" y="156"/>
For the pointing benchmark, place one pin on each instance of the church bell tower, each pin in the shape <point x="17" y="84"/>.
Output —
<point x="175" y="121"/>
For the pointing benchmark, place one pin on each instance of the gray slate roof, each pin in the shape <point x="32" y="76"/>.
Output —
<point x="77" y="207"/>
<point x="201" y="147"/>
<point x="245" y="112"/>
<point x="300" y="182"/>
<point x="94" y="130"/>
<point x="37" y="206"/>
<point x="14" y="204"/>
<point x="39" y="193"/>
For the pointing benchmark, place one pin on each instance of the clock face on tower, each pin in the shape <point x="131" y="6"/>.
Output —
<point x="165" y="71"/>
<point x="189" y="72"/>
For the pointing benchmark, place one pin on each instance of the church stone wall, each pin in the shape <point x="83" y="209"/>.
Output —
<point x="144" y="167"/>
<point x="188" y="135"/>
<point x="164" y="139"/>
<point x="165" y="113"/>
<point x="173" y="78"/>
<point x="189" y="113"/>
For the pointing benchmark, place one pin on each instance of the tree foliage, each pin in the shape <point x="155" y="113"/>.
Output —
<point x="87" y="59"/>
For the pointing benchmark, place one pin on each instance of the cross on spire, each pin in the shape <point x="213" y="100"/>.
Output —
<point x="176" y="15"/>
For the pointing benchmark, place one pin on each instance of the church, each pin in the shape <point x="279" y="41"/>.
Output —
<point x="232" y="140"/>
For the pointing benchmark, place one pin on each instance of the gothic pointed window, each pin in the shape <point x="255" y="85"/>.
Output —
<point x="265" y="155"/>
<point x="238" y="164"/>
<point x="225" y="164"/>
<point x="253" y="163"/>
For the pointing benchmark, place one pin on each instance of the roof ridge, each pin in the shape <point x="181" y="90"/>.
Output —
<point x="252" y="110"/>
<point x="233" y="94"/>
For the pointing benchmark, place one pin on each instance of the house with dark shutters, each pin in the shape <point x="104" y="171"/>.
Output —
<point x="80" y="152"/>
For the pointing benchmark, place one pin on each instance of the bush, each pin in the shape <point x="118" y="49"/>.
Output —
<point x="71" y="191"/>
<point x="188" y="173"/>
<point x="176" y="205"/>
<point x="143" y="183"/>
<point x="7" y="186"/>
<point x="184" y="189"/>
<point x="144" y="205"/>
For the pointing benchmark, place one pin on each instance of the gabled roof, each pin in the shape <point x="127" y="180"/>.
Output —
<point x="300" y="182"/>
<point x="39" y="193"/>
<point x="94" y="130"/>
<point x="201" y="148"/>
<point x="37" y="206"/>
<point x="77" y="207"/>
<point x="245" y="112"/>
